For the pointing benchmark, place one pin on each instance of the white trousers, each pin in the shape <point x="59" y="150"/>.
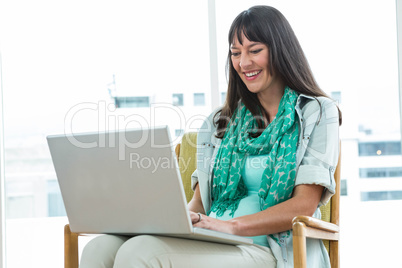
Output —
<point x="146" y="251"/>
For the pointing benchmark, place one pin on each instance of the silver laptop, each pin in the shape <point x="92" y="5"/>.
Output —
<point x="125" y="182"/>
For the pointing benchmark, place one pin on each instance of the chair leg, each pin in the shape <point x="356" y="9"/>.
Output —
<point x="70" y="248"/>
<point x="334" y="254"/>
<point x="299" y="245"/>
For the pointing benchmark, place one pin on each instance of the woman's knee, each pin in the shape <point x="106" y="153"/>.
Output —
<point x="101" y="251"/>
<point x="142" y="251"/>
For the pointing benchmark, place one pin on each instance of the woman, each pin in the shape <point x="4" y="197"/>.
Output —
<point x="273" y="155"/>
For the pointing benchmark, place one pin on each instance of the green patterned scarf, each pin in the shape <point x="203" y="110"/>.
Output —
<point x="278" y="140"/>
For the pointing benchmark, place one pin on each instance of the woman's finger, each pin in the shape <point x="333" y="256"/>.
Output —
<point x="194" y="217"/>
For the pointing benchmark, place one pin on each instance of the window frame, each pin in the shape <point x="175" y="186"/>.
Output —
<point x="2" y="174"/>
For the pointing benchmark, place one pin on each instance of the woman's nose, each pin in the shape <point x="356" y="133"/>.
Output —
<point x="245" y="61"/>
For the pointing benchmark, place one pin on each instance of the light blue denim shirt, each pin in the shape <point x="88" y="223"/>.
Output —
<point x="316" y="157"/>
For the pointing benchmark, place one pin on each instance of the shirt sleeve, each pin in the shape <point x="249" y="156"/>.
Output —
<point x="204" y="149"/>
<point x="321" y="157"/>
<point x="194" y="179"/>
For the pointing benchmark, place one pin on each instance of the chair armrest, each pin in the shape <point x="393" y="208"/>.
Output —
<point x="310" y="227"/>
<point x="304" y="226"/>
<point x="317" y="224"/>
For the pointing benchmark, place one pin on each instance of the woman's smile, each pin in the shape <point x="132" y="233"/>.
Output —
<point x="252" y="75"/>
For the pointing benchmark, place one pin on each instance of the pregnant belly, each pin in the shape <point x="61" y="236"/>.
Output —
<point x="248" y="205"/>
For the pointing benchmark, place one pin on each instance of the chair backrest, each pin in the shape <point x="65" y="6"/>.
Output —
<point x="330" y="212"/>
<point x="186" y="154"/>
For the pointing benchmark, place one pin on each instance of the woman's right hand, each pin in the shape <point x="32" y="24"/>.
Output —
<point x="195" y="217"/>
<point x="203" y="221"/>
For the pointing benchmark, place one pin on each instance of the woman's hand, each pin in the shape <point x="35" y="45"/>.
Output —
<point x="212" y="224"/>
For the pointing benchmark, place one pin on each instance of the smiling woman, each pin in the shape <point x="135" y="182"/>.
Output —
<point x="270" y="88"/>
<point x="60" y="54"/>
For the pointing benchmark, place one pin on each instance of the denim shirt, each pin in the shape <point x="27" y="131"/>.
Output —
<point x="316" y="160"/>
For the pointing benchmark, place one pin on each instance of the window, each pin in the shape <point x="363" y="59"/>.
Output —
<point x="344" y="187"/>
<point x="380" y="172"/>
<point x="223" y="97"/>
<point x="199" y="99"/>
<point x="20" y="206"/>
<point x="380" y="196"/>
<point x="379" y="148"/>
<point x="336" y="95"/>
<point x="55" y="201"/>
<point x="131" y="102"/>
<point x="20" y="200"/>
<point x="178" y="132"/>
<point x="177" y="99"/>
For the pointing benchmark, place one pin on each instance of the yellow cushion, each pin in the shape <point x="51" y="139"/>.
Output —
<point x="188" y="161"/>
<point x="326" y="216"/>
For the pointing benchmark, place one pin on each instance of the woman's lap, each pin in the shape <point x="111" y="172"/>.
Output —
<point x="101" y="251"/>
<point x="157" y="251"/>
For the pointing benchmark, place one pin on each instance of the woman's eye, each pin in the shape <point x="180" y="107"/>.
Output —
<point x="235" y="54"/>
<point x="256" y="51"/>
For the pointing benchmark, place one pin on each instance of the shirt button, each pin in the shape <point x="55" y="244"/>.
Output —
<point x="282" y="241"/>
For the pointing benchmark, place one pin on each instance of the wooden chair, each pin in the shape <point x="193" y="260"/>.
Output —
<point x="186" y="155"/>
<point x="327" y="228"/>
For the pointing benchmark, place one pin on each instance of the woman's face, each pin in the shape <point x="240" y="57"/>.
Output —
<point x="250" y="60"/>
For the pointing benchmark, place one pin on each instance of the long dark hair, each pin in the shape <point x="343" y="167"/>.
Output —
<point x="266" y="25"/>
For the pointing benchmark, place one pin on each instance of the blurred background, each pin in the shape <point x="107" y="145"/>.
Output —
<point x="74" y="66"/>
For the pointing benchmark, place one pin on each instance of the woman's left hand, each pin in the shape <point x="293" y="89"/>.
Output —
<point x="211" y="223"/>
